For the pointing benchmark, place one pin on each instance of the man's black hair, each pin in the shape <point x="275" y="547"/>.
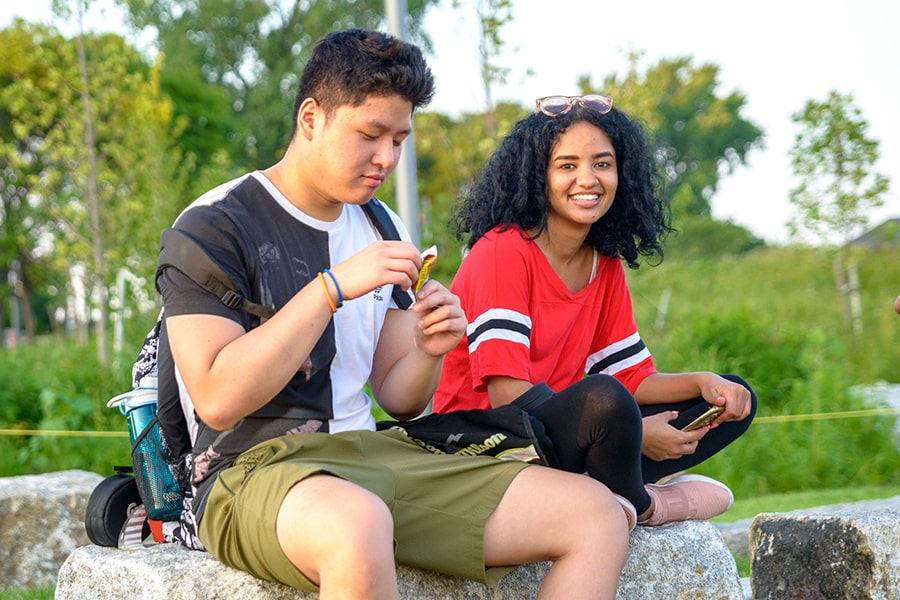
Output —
<point x="347" y="67"/>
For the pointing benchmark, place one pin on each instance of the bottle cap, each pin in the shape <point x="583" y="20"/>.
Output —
<point x="133" y="399"/>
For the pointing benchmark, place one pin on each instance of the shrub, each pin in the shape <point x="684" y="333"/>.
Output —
<point x="794" y="371"/>
<point x="57" y="385"/>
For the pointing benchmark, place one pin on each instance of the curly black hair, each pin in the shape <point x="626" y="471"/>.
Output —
<point x="512" y="189"/>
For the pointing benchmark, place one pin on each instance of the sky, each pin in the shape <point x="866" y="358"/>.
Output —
<point x="777" y="53"/>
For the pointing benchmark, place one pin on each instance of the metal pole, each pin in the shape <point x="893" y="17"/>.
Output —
<point x="405" y="174"/>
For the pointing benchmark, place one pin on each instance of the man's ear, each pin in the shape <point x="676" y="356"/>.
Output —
<point x="306" y="117"/>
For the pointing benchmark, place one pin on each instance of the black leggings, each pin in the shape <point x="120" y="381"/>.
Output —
<point x="595" y="427"/>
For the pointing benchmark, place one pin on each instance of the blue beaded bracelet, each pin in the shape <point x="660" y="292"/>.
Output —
<point x="340" y="301"/>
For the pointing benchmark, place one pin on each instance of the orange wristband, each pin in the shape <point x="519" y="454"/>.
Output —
<point x="327" y="293"/>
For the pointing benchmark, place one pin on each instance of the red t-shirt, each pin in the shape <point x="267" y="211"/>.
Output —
<point x="525" y="324"/>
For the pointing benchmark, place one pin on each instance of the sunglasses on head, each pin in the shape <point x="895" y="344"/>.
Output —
<point x="553" y="106"/>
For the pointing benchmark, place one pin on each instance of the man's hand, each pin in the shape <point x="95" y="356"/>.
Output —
<point x="662" y="441"/>
<point x="379" y="264"/>
<point x="408" y="358"/>
<point x="441" y="321"/>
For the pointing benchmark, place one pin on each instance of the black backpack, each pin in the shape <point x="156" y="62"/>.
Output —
<point x="161" y="453"/>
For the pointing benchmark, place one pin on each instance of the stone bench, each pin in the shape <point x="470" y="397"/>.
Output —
<point x="838" y="551"/>
<point x="42" y="543"/>
<point x="41" y="523"/>
<point x="849" y="554"/>
<point x="680" y="560"/>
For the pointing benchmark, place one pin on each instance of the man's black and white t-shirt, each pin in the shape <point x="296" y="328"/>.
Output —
<point x="271" y="250"/>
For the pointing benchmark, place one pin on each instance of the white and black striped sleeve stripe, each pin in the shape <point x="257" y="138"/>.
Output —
<point x="499" y="324"/>
<point x="618" y="356"/>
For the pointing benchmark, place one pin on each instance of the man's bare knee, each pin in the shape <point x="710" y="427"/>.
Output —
<point x="327" y="523"/>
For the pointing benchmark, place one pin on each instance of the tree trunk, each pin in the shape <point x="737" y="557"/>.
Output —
<point x="97" y="280"/>
<point x="854" y="297"/>
<point x="24" y="293"/>
<point x="840" y="283"/>
<point x="847" y="282"/>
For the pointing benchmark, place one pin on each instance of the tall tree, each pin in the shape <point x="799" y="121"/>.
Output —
<point x="699" y="135"/>
<point x="90" y="187"/>
<point x="835" y="161"/>
<point x="492" y="16"/>
<point x="47" y="168"/>
<point x="20" y="162"/>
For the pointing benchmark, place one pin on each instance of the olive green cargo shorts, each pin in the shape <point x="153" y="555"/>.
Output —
<point x="439" y="503"/>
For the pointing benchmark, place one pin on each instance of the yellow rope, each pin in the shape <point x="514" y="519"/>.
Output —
<point x="58" y="433"/>
<point x="847" y="414"/>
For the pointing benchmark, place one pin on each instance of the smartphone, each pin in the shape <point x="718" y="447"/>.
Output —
<point x="704" y="419"/>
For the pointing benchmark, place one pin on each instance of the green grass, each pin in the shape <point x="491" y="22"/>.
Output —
<point x="30" y="594"/>
<point x="747" y="508"/>
<point x="21" y="455"/>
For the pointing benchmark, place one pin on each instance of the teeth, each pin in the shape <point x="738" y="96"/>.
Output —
<point x="585" y="197"/>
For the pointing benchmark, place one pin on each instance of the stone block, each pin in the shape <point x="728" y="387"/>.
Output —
<point x="688" y="561"/>
<point x="681" y="560"/>
<point x="841" y="555"/>
<point x="41" y="523"/>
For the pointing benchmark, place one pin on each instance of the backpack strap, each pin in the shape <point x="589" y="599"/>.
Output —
<point x="382" y="221"/>
<point x="178" y="249"/>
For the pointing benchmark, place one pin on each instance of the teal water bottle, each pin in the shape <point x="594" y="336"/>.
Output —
<point x="157" y="485"/>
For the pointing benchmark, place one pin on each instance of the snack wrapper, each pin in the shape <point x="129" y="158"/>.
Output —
<point x="429" y="256"/>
